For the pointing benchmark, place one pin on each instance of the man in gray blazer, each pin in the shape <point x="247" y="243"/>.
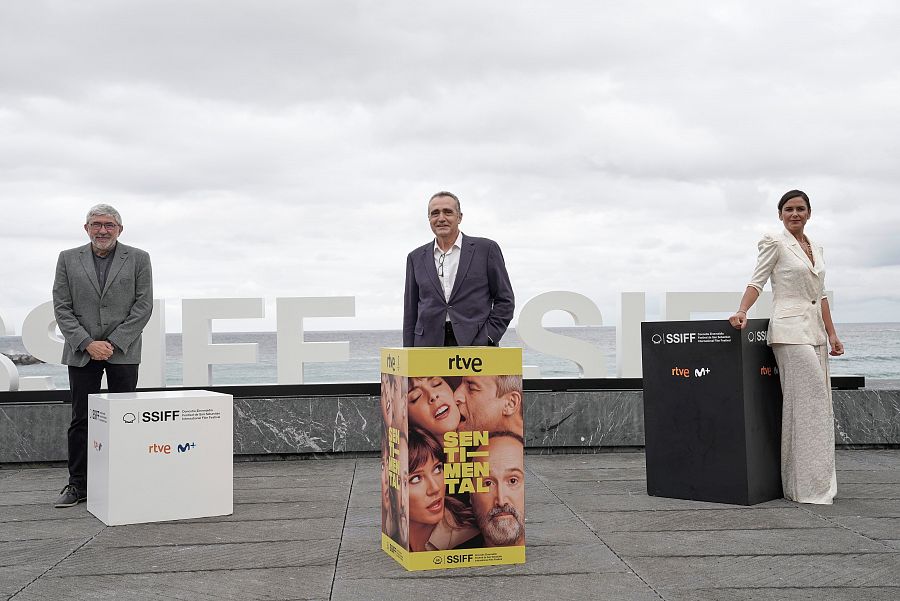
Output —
<point x="102" y="298"/>
<point x="457" y="290"/>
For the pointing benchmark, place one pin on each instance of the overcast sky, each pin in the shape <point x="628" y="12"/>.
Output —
<point x="269" y="149"/>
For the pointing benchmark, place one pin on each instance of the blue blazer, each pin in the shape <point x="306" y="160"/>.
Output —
<point x="481" y="303"/>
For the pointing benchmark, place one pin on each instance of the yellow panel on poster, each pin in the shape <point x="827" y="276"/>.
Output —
<point x="459" y="558"/>
<point x="452" y="361"/>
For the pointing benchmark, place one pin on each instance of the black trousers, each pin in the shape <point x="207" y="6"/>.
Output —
<point x="82" y="382"/>
<point x="449" y="336"/>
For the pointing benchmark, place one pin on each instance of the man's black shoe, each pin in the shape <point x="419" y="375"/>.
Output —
<point x="70" y="496"/>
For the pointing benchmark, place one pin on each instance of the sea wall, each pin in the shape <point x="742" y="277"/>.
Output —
<point x="297" y="424"/>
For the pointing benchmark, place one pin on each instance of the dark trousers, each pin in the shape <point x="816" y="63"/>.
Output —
<point x="449" y="336"/>
<point x="82" y="382"/>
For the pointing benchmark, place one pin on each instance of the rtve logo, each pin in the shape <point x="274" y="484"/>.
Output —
<point x="685" y="372"/>
<point x="768" y="371"/>
<point x="457" y="362"/>
<point x="166" y="449"/>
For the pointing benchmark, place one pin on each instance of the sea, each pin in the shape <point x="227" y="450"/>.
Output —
<point x="872" y="350"/>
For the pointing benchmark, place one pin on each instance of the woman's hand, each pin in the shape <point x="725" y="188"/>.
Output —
<point x="837" y="347"/>
<point x="738" y="320"/>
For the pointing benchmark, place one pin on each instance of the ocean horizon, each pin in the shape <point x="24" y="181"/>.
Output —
<point x="872" y="350"/>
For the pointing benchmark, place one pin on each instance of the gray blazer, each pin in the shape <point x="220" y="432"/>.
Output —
<point x="118" y="313"/>
<point x="481" y="303"/>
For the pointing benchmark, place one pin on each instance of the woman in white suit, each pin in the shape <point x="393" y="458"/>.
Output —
<point x="800" y="332"/>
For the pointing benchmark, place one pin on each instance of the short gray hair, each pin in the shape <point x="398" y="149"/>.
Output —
<point x="448" y="195"/>
<point x="103" y="209"/>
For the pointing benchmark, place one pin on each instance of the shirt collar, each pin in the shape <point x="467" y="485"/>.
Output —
<point x="457" y="245"/>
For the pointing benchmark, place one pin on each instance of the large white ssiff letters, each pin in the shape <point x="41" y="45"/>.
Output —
<point x="40" y="338"/>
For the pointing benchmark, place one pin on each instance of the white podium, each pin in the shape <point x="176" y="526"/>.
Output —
<point x="157" y="456"/>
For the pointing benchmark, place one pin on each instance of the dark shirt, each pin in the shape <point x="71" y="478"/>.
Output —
<point x="101" y="264"/>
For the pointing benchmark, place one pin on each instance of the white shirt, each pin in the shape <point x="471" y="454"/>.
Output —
<point x="451" y="265"/>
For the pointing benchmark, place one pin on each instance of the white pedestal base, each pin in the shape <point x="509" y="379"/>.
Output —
<point x="157" y="456"/>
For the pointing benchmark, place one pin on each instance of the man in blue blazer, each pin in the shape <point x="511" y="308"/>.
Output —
<point x="457" y="290"/>
<point x="102" y="299"/>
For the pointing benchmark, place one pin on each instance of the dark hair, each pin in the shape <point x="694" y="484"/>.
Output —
<point x="422" y="446"/>
<point x="794" y="194"/>
<point x="448" y="195"/>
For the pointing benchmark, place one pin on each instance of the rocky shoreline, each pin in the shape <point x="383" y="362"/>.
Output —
<point x="21" y="358"/>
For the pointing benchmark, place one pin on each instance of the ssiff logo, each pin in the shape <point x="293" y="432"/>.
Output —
<point x="760" y="336"/>
<point x="681" y="338"/>
<point x="656" y="339"/>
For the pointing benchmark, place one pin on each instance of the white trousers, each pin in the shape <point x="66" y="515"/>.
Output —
<point x="807" y="424"/>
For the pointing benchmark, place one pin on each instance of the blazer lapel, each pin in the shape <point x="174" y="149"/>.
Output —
<point x="795" y="248"/>
<point x="87" y="261"/>
<point x="431" y="270"/>
<point x="116" y="267"/>
<point x="819" y="267"/>
<point x="465" y="259"/>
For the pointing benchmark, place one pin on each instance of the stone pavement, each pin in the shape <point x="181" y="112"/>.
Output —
<point x="309" y="530"/>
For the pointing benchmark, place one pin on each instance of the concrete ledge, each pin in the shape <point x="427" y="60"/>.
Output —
<point x="346" y="424"/>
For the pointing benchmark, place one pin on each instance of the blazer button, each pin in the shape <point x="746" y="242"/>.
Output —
<point x="814" y="302"/>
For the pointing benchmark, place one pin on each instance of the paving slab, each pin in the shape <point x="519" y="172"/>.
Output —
<point x="470" y="587"/>
<point x="881" y="476"/>
<point x="770" y="571"/>
<point x="15" y="578"/>
<point x="869" y="593"/>
<point x="868" y="490"/>
<point x="205" y="533"/>
<point x="287" y="495"/>
<point x="38" y="552"/>
<point x="310" y="530"/>
<point x="293" y="481"/>
<point x="874" y="528"/>
<point x="880" y="508"/>
<point x="592" y="475"/>
<point x="284" y="584"/>
<point x="708" y="519"/>
<point x="97" y="560"/>
<point x="642" y="502"/>
<point x="281" y="510"/>
<point x="741" y="542"/>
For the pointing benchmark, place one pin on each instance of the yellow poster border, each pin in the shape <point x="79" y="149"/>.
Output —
<point x="452" y="361"/>
<point x="415" y="561"/>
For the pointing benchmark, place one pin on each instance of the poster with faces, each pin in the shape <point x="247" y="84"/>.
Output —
<point x="453" y="471"/>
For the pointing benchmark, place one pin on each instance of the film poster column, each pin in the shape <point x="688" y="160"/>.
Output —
<point x="453" y="470"/>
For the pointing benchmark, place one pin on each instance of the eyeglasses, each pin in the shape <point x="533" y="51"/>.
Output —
<point x="441" y="264"/>
<point x="100" y="225"/>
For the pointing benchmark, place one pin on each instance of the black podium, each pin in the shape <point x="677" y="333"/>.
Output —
<point x="712" y="412"/>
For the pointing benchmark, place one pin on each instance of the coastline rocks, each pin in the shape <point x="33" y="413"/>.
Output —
<point x="22" y="358"/>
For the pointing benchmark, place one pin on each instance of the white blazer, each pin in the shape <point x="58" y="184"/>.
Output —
<point x="798" y="287"/>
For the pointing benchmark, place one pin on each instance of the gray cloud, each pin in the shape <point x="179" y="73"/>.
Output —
<point x="284" y="148"/>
